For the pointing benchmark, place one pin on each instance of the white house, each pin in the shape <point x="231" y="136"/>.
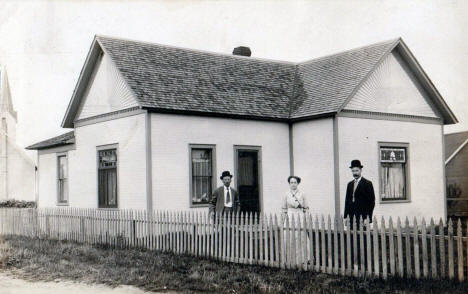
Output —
<point x="17" y="170"/>
<point x="154" y="126"/>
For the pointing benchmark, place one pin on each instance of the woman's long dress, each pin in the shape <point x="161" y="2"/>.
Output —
<point x="293" y="207"/>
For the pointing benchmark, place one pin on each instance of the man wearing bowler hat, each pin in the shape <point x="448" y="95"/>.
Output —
<point x="225" y="199"/>
<point x="360" y="197"/>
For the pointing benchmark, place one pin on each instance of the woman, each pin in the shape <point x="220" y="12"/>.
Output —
<point x="294" y="204"/>
<point x="294" y="201"/>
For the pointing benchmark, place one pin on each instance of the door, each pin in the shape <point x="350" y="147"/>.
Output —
<point x="248" y="178"/>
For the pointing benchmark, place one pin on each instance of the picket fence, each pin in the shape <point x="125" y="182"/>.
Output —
<point x="410" y="250"/>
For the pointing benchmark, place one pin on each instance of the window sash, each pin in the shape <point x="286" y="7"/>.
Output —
<point x="393" y="173"/>
<point x="62" y="179"/>
<point x="201" y="164"/>
<point x="107" y="178"/>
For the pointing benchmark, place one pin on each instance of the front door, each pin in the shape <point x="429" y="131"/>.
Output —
<point x="248" y="180"/>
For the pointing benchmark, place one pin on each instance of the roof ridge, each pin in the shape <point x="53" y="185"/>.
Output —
<point x="390" y="41"/>
<point x="261" y="59"/>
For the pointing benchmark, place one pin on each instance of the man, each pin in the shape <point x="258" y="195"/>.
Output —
<point x="225" y="199"/>
<point x="359" y="202"/>
<point x="360" y="197"/>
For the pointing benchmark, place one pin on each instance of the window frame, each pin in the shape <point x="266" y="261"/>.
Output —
<point x="103" y="148"/>
<point x="214" y="173"/>
<point x="57" y="164"/>
<point x="405" y="145"/>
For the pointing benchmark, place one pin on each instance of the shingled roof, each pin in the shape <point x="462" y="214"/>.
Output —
<point x="64" y="139"/>
<point x="177" y="80"/>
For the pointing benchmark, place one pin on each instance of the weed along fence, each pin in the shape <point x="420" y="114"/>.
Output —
<point x="404" y="249"/>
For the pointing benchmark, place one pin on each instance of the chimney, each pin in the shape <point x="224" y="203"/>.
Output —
<point x="242" y="51"/>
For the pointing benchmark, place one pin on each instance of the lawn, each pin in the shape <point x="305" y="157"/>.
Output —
<point x="44" y="260"/>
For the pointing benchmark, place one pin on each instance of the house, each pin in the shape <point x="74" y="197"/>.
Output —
<point x="17" y="170"/>
<point x="154" y="126"/>
<point x="456" y="171"/>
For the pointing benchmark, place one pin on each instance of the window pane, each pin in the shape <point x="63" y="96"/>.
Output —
<point x="393" y="181"/>
<point x="62" y="167"/>
<point x="201" y="175"/>
<point x="388" y="154"/>
<point x="107" y="158"/>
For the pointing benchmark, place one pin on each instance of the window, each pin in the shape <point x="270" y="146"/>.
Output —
<point x="201" y="169"/>
<point x="62" y="179"/>
<point x="393" y="173"/>
<point x="107" y="178"/>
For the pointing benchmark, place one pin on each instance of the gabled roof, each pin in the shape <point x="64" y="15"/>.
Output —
<point x="177" y="80"/>
<point x="454" y="143"/>
<point x="64" y="139"/>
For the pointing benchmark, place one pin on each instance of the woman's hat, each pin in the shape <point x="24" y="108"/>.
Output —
<point x="356" y="163"/>
<point x="225" y="174"/>
<point x="294" y="177"/>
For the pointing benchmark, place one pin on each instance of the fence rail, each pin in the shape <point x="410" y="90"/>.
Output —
<point x="331" y="245"/>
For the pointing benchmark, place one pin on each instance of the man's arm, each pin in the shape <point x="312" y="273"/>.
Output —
<point x="371" y="194"/>
<point x="346" y="210"/>
<point x="214" y="199"/>
<point x="237" y="202"/>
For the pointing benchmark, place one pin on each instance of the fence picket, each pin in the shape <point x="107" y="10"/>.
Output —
<point x="461" y="276"/>
<point x="450" y="250"/>
<point x="399" y="248"/>
<point x="335" y="246"/>
<point x="433" y="249"/>
<point x="383" y="242"/>
<point x="391" y="244"/>
<point x="424" y="248"/>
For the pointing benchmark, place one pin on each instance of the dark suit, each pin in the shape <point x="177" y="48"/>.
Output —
<point x="364" y="200"/>
<point x="217" y="201"/>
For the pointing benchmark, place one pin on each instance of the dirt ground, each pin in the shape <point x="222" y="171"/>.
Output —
<point x="11" y="285"/>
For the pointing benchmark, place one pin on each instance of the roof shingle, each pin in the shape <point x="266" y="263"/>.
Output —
<point x="64" y="139"/>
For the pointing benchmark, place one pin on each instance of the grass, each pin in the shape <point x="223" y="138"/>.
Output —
<point x="46" y="260"/>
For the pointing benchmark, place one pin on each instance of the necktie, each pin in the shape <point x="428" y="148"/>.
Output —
<point x="228" y="196"/>
<point x="354" y="188"/>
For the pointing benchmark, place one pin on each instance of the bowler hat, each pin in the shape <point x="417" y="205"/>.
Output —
<point x="225" y="174"/>
<point x="356" y="163"/>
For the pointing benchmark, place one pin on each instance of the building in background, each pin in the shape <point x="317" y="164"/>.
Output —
<point x="17" y="170"/>
<point x="154" y="126"/>
<point x="456" y="171"/>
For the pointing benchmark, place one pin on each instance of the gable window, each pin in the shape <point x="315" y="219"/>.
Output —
<point x="62" y="179"/>
<point x="201" y="173"/>
<point x="107" y="178"/>
<point x="393" y="172"/>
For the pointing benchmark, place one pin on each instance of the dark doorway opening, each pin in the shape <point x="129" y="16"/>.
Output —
<point x="248" y="178"/>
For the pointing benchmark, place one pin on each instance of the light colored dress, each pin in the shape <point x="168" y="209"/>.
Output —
<point x="294" y="202"/>
<point x="293" y="205"/>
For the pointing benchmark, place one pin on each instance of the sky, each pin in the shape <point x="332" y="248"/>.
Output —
<point x="43" y="43"/>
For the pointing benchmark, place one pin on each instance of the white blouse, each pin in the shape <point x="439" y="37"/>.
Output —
<point x="293" y="199"/>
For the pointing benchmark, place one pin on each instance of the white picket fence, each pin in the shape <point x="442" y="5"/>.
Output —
<point x="411" y="250"/>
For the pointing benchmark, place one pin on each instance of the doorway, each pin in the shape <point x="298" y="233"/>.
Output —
<point x="248" y="170"/>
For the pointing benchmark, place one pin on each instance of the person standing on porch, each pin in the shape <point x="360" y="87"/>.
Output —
<point x="360" y="197"/>
<point x="225" y="198"/>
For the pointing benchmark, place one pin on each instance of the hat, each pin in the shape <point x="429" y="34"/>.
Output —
<point x="356" y="163"/>
<point x="225" y="174"/>
<point x="294" y="177"/>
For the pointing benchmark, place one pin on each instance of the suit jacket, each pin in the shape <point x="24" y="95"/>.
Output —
<point x="217" y="201"/>
<point x="364" y="200"/>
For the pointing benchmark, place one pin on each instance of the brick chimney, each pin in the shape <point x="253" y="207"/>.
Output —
<point x="242" y="51"/>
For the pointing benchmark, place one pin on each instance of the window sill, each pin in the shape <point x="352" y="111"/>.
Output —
<point x="394" y="201"/>
<point x="108" y="208"/>
<point x="199" y="205"/>
<point x="62" y="204"/>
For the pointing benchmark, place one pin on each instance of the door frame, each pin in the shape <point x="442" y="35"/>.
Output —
<point x="260" y="170"/>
